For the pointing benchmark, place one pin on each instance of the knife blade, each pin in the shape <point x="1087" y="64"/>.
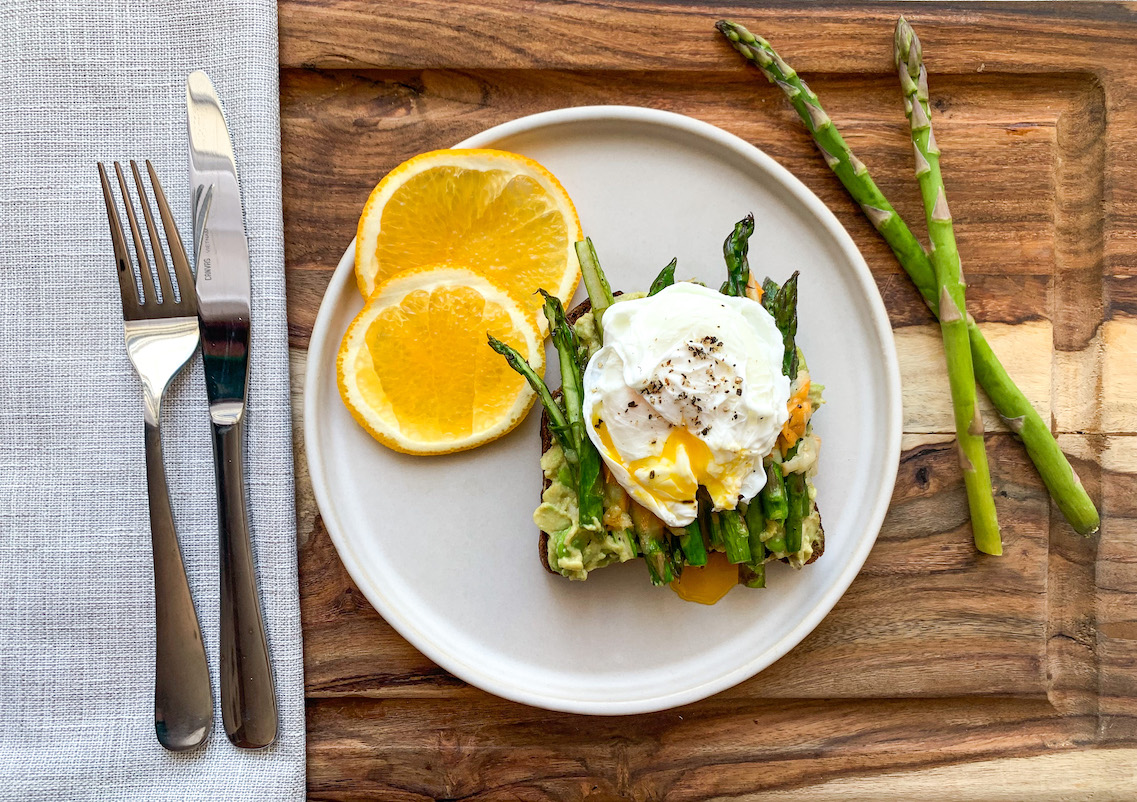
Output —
<point x="221" y="255"/>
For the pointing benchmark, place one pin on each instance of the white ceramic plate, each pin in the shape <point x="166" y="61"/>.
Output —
<point x="445" y="547"/>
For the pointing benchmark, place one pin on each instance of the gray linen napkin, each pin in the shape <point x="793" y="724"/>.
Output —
<point x="82" y="80"/>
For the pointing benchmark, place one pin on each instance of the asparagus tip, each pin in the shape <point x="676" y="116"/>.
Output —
<point x="906" y="46"/>
<point x="736" y="33"/>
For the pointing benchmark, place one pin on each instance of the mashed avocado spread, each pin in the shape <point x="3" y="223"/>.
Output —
<point x="574" y="550"/>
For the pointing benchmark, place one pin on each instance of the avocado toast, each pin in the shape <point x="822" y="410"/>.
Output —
<point x="747" y="508"/>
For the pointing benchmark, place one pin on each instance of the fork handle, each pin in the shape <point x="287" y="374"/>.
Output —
<point x="183" y="706"/>
<point x="248" y="698"/>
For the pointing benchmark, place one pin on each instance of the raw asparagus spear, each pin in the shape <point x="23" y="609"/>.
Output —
<point x="953" y="310"/>
<point x="848" y="168"/>
<point x="665" y="278"/>
<point x="1058" y="475"/>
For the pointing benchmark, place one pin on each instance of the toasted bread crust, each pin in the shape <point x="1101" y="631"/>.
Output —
<point x="546" y="444"/>
<point x="819" y="549"/>
<point x="574" y="315"/>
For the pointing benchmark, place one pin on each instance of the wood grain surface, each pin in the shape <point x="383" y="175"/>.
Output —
<point x="941" y="674"/>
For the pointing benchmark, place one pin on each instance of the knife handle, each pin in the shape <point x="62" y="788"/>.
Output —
<point x="248" y="698"/>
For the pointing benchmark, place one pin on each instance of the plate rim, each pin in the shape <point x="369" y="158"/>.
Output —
<point x="315" y="373"/>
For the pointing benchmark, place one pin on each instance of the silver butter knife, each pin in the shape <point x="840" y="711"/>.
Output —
<point x="221" y="253"/>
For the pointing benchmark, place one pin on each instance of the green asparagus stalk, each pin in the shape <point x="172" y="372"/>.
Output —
<point x="772" y="499"/>
<point x="1053" y="466"/>
<point x="753" y="573"/>
<point x="665" y="278"/>
<point x="847" y="167"/>
<point x="755" y="519"/>
<point x="736" y="538"/>
<point x="703" y="517"/>
<point x="781" y="303"/>
<point x="778" y="543"/>
<point x="567" y="423"/>
<point x="752" y="576"/>
<point x="590" y="479"/>
<point x="716" y="538"/>
<point x="757" y="546"/>
<point x="785" y="316"/>
<point x="653" y="545"/>
<point x="734" y="251"/>
<point x="770" y="290"/>
<point x="691" y="541"/>
<point x="677" y="557"/>
<point x="798" y="498"/>
<point x="558" y="423"/>
<point x="599" y="291"/>
<point x="568" y="353"/>
<point x="953" y="310"/>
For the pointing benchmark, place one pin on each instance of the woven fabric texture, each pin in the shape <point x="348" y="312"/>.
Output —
<point x="82" y="81"/>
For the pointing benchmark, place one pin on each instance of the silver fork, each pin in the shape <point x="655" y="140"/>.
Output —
<point x="161" y="336"/>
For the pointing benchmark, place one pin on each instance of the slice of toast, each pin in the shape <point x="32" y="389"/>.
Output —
<point x="574" y="315"/>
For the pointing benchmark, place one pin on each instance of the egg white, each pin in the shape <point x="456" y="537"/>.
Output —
<point x="686" y="391"/>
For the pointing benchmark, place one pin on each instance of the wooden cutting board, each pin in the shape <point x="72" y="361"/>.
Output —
<point x="941" y="674"/>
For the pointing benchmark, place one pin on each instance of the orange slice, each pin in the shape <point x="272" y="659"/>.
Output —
<point x="415" y="368"/>
<point x="502" y="215"/>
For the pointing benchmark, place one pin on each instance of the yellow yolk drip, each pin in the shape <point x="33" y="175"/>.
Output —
<point x="677" y="471"/>
<point x="709" y="583"/>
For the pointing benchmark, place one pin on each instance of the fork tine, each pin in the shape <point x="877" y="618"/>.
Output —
<point x="155" y="240"/>
<point x="148" y="293"/>
<point x="177" y="249"/>
<point x="125" y="272"/>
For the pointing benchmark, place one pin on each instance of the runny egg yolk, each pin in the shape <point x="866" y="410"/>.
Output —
<point x="677" y="471"/>
<point x="707" y="584"/>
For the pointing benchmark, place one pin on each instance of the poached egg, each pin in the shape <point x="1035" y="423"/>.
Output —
<point x="687" y="390"/>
